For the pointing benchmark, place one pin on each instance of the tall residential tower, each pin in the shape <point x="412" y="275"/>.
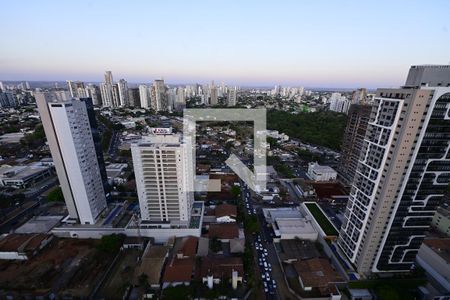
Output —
<point x="402" y="174"/>
<point x="164" y="179"/>
<point x="69" y="135"/>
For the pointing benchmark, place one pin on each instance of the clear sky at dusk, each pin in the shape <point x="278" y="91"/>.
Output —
<point x="308" y="43"/>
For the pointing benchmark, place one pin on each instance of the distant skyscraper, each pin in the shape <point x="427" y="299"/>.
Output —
<point x="159" y="98"/>
<point x="144" y="95"/>
<point x="180" y="102"/>
<point x="213" y="97"/>
<point x="109" y="78"/>
<point x="8" y="99"/>
<point x="106" y="90"/>
<point x="27" y="85"/>
<point x="163" y="179"/>
<point x="429" y="75"/>
<point x="76" y="89"/>
<point x="359" y="96"/>
<point x="339" y="103"/>
<point x="69" y="135"/>
<point x="115" y="96"/>
<point x="93" y="92"/>
<point x="133" y="97"/>
<point x="232" y="96"/>
<point x="123" y="92"/>
<point x="2" y="87"/>
<point x="402" y="174"/>
<point x="355" y="131"/>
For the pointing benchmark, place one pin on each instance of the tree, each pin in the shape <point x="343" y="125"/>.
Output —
<point x="235" y="191"/>
<point x="56" y="195"/>
<point x="215" y="244"/>
<point x="110" y="244"/>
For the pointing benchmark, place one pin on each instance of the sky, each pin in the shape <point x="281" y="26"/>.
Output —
<point x="318" y="43"/>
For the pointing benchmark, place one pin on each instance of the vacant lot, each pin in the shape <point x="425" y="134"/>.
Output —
<point x="65" y="267"/>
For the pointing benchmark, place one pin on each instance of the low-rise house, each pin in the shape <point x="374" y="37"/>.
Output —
<point x="226" y="213"/>
<point x="317" y="274"/>
<point x="224" y="232"/>
<point x="178" y="271"/>
<point x="214" y="270"/>
<point x="188" y="247"/>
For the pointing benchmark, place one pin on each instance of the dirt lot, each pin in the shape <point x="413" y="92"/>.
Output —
<point x="65" y="267"/>
<point x="121" y="275"/>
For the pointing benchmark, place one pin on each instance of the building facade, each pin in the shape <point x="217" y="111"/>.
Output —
<point x="402" y="174"/>
<point x="71" y="142"/>
<point x="355" y="131"/>
<point x="164" y="179"/>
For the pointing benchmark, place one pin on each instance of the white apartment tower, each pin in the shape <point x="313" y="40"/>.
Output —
<point x="123" y="93"/>
<point x="164" y="179"/>
<point x="144" y="95"/>
<point x="232" y="96"/>
<point x="159" y="97"/>
<point x="402" y="174"/>
<point x="66" y="125"/>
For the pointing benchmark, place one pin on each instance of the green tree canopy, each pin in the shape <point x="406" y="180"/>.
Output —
<point x="56" y="195"/>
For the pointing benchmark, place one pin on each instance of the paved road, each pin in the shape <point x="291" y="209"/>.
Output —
<point x="259" y="243"/>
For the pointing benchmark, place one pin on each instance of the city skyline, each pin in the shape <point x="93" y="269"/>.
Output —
<point x="337" y="45"/>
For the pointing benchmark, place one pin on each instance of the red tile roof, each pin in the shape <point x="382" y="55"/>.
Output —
<point x="226" y="231"/>
<point x="316" y="272"/>
<point x="226" y="210"/>
<point x="189" y="247"/>
<point x="221" y="267"/>
<point x="179" y="270"/>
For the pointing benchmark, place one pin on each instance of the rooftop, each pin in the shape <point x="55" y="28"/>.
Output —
<point x="294" y="225"/>
<point x="316" y="273"/>
<point x="226" y="210"/>
<point x="221" y="266"/>
<point x="440" y="246"/>
<point x="179" y="270"/>
<point x="226" y="231"/>
<point x="297" y="249"/>
<point x="39" y="224"/>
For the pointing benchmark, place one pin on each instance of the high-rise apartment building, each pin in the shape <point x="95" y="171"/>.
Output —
<point x="402" y="174"/>
<point x="68" y="130"/>
<point x="164" y="178"/>
<point x="213" y="96"/>
<point x="159" y="97"/>
<point x="339" y="103"/>
<point x="123" y="93"/>
<point x="115" y="95"/>
<point x="180" y="102"/>
<point x="144" y="95"/>
<point x="76" y="89"/>
<point x="429" y="75"/>
<point x="93" y="92"/>
<point x="232" y="97"/>
<point x="359" y="96"/>
<point x="133" y="97"/>
<point x="352" y="143"/>
<point x="109" y="91"/>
